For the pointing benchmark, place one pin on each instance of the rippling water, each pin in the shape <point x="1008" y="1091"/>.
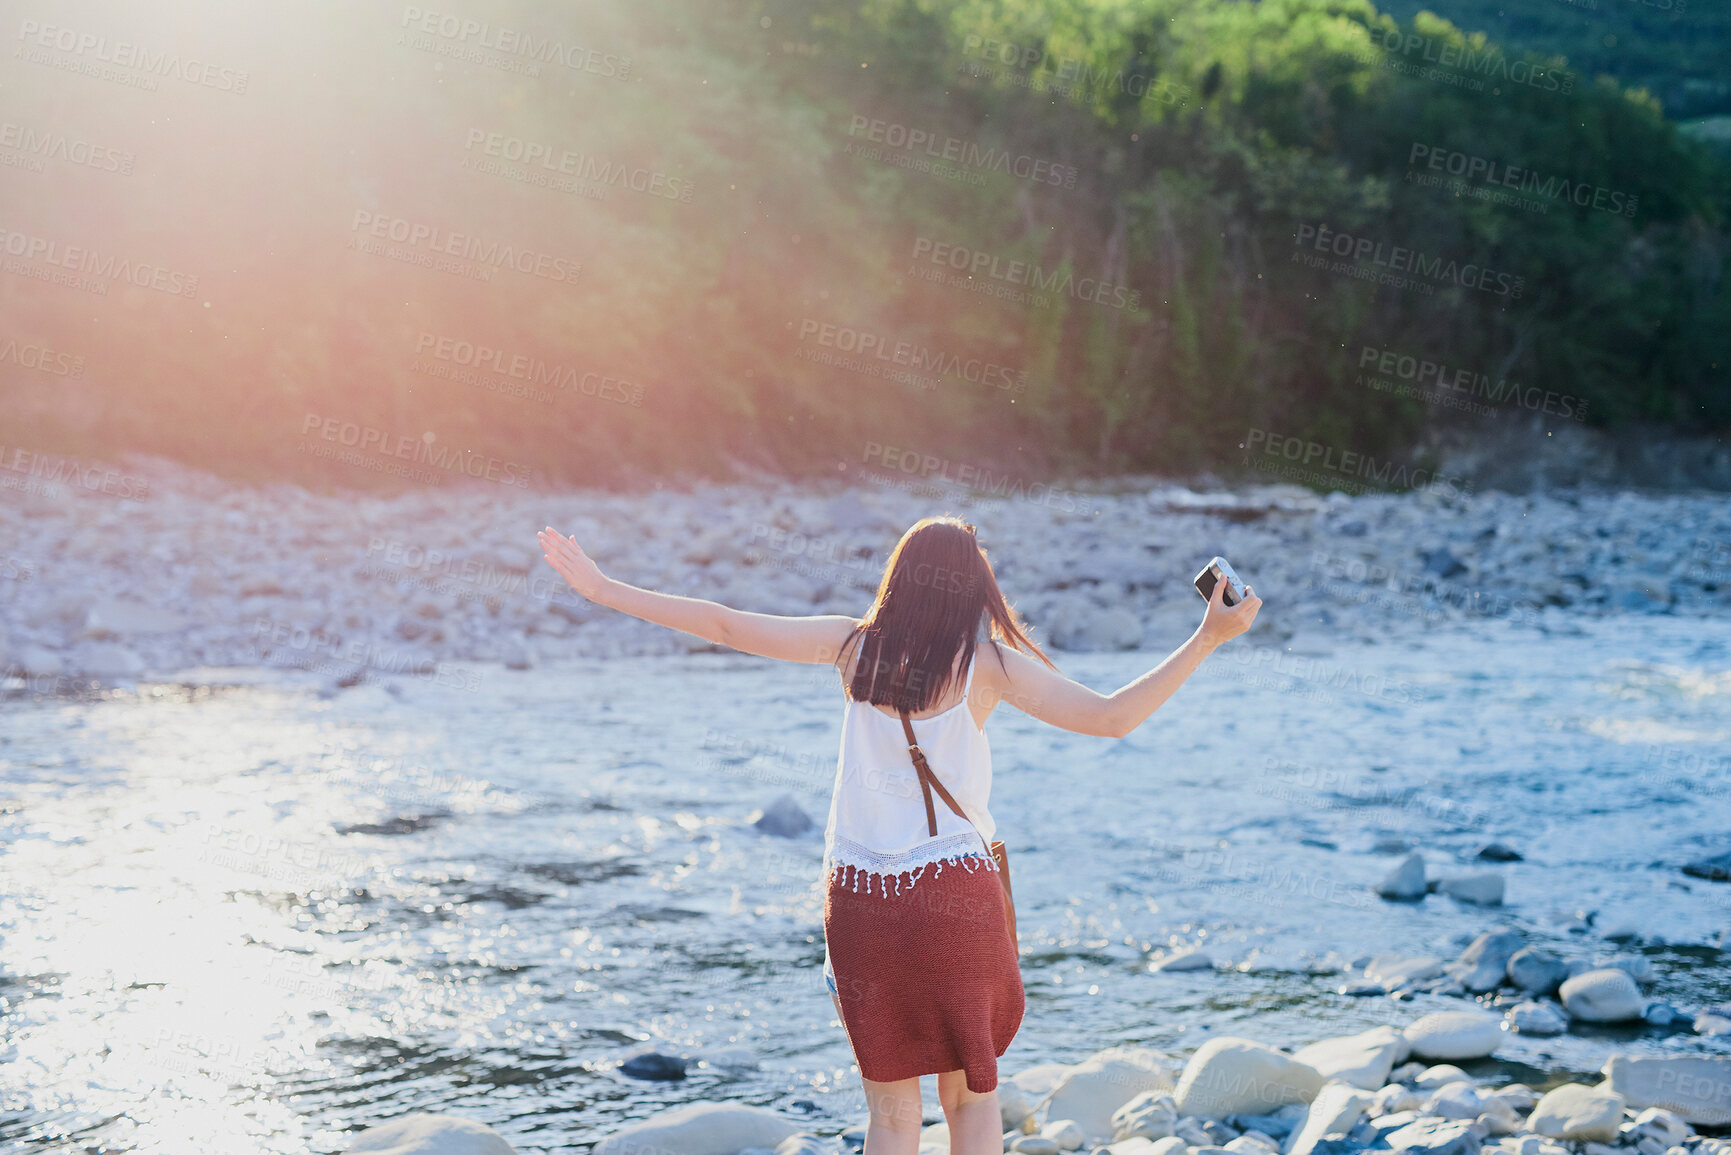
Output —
<point x="253" y="917"/>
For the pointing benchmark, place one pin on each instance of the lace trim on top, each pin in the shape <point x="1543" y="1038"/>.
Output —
<point x="862" y="865"/>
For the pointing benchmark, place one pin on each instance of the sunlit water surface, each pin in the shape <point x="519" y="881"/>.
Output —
<point x="257" y="918"/>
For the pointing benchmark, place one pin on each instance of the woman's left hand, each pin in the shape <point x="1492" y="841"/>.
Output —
<point x="565" y="555"/>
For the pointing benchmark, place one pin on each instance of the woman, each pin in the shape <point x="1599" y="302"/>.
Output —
<point x="918" y="958"/>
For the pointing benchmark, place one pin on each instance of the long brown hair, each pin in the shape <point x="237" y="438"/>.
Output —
<point x="936" y="590"/>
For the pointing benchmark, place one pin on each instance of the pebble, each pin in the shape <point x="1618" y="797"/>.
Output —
<point x="1536" y="1018"/>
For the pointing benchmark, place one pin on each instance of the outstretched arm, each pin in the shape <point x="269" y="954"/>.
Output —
<point x="816" y="638"/>
<point x="1043" y="693"/>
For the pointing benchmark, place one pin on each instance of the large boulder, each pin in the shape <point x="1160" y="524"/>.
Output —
<point x="1580" y="1113"/>
<point x="700" y="1129"/>
<point x="1451" y="1035"/>
<point x="1696" y="1088"/>
<point x="1103" y="1082"/>
<point x="1363" y="1060"/>
<point x="1334" y="1111"/>
<point x="424" y="1134"/>
<point x="1231" y="1076"/>
<point x="1606" y="995"/>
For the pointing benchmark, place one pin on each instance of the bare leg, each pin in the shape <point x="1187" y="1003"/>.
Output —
<point x="894" y="1128"/>
<point x="895" y="1114"/>
<point x="976" y="1126"/>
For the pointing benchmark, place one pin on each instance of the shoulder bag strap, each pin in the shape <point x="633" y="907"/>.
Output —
<point x="928" y="780"/>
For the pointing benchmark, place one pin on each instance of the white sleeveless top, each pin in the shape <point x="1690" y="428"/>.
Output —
<point x="877" y="813"/>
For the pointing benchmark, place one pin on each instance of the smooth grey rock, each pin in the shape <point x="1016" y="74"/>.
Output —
<point x="784" y="818"/>
<point x="1454" y="1101"/>
<point x="1576" y="1112"/>
<point x="1032" y="1145"/>
<point x="1536" y="971"/>
<point x="1435" y="1137"/>
<point x="1499" y="852"/>
<point x="1696" y="1088"/>
<point x="1482" y="889"/>
<point x="700" y="1129"/>
<point x="1190" y="960"/>
<point x="1712" y="1024"/>
<point x="1714" y="869"/>
<point x="1606" y="995"/>
<point x="1078" y="625"/>
<point x="107" y="660"/>
<point x="38" y="662"/>
<point x="1103" y="1082"/>
<point x="427" y="1134"/>
<point x="1439" y="1075"/>
<point x="1152" y="1114"/>
<point x="1638" y="966"/>
<point x="1657" y="1123"/>
<point x="1406" y="882"/>
<point x="1484" y="964"/>
<point x="1451" y="1035"/>
<point x="1363" y="1060"/>
<point x="805" y="1144"/>
<point x="654" y="1066"/>
<point x="1535" y="1018"/>
<point x="1334" y="1111"/>
<point x="123" y="617"/>
<point x="1232" y="1076"/>
<point x="1395" y="972"/>
<point x="1066" y="1133"/>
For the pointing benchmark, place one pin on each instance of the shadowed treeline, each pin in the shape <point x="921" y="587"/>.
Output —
<point x="545" y="246"/>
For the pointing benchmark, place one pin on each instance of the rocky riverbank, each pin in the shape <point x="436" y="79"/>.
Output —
<point x="1395" y="1090"/>
<point x="176" y="570"/>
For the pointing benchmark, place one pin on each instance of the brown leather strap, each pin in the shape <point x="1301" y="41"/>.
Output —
<point x="928" y="780"/>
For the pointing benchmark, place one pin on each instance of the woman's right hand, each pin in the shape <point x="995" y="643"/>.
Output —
<point x="565" y="555"/>
<point x="1221" y="622"/>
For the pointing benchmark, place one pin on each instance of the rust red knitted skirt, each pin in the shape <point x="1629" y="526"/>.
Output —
<point x="927" y="978"/>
